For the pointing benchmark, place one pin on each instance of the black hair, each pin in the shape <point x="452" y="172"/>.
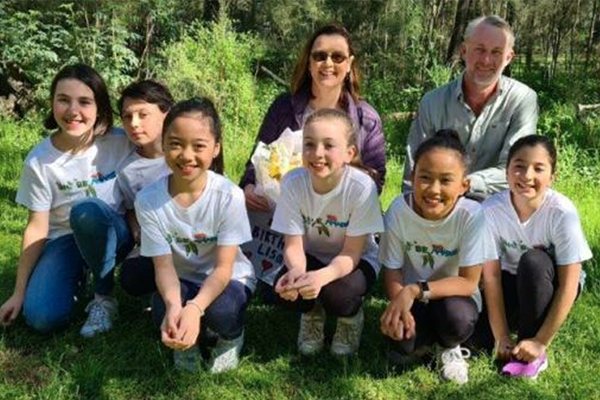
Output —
<point x="206" y="108"/>
<point x="532" y="141"/>
<point x="149" y="91"/>
<point x="88" y="76"/>
<point x="443" y="139"/>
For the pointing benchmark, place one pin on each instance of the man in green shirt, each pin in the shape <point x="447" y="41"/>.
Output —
<point x="489" y="111"/>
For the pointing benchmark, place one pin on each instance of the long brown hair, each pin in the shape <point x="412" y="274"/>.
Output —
<point x="301" y="79"/>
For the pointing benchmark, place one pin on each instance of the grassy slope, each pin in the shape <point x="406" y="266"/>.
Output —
<point x="130" y="363"/>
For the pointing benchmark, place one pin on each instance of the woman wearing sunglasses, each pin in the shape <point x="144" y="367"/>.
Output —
<point x="325" y="76"/>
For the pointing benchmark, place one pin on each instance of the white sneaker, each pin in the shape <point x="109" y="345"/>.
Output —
<point x="311" y="336"/>
<point x="101" y="314"/>
<point x="225" y="355"/>
<point x="346" y="339"/>
<point x="454" y="366"/>
<point x="187" y="360"/>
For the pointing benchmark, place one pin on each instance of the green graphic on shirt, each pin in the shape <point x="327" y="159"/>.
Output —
<point x="85" y="185"/>
<point x="188" y="245"/>
<point x="505" y="245"/>
<point x="322" y="228"/>
<point x="428" y="253"/>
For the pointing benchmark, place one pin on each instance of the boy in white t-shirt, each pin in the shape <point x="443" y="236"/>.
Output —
<point x="535" y="273"/>
<point x="433" y="249"/>
<point x="328" y="213"/>
<point x="143" y="107"/>
<point x="193" y="222"/>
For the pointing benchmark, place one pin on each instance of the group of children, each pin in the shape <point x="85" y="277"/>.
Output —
<point x="93" y="193"/>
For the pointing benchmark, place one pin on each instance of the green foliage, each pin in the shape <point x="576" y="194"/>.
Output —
<point x="217" y="62"/>
<point x="34" y="45"/>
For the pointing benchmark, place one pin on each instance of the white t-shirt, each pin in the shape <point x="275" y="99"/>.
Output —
<point x="351" y="209"/>
<point x="138" y="172"/>
<point x="432" y="250"/>
<point x="192" y="234"/>
<point x="53" y="181"/>
<point x="554" y="228"/>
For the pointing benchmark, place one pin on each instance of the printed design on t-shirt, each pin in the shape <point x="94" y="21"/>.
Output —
<point x="521" y="247"/>
<point x="428" y="253"/>
<point x="323" y="226"/>
<point x="505" y="245"/>
<point x="190" y="246"/>
<point x="86" y="185"/>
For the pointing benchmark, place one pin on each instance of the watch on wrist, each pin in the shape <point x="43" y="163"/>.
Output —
<point x="425" y="292"/>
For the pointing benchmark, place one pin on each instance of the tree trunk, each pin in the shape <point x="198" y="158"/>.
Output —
<point x="590" y="41"/>
<point x="211" y="10"/>
<point x="530" y="36"/>
<point x="460" y="22"/>
<point x="573" y="42"/>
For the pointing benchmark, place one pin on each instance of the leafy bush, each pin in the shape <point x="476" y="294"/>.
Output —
<point x="215" y="61"/>
<point x="34" y="45"/>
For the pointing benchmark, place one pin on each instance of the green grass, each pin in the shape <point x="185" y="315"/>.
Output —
<point x="130" y="362"/>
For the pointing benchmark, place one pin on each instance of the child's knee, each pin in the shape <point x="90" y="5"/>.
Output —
<point x="533" y="264"/>
<point x="44" y="321"/>
<point x="87" y="213"/>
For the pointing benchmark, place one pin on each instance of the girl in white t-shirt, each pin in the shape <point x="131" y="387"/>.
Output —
<point x="75" y="209"/>
<point x="432" y="252"/>
<point x="193" y="222"/>
<point x="328" y="212"/>
<point x="535" y="273"/>
<point x="143" y="107"/>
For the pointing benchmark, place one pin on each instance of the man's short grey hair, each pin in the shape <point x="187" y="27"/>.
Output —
<point x="492" y="20"/>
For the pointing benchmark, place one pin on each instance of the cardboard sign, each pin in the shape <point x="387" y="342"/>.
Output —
<point x="265" y="251"/>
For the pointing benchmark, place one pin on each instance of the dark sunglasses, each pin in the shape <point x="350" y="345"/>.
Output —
<point x="336" y="57"/>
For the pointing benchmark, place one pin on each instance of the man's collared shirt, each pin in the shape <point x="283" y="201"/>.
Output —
<point x="511" y="113"/>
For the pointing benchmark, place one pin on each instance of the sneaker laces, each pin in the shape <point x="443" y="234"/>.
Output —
<point x="458" y="354"/>
<point x="348" y="331"/>
<point x="312" y="325"/>
<point x="98" y="313"/>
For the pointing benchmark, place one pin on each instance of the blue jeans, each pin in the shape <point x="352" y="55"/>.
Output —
<point x="100" y="240"/>
<point x="225" y="315"/>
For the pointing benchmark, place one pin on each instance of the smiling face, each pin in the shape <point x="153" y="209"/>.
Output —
<point x="190" y="148"/>
<point x="529" y="174"/>
<point x="329" y="62"/>
<point x="142" y="121"/>
<point x="74" y="108"/>
<point x="486" y="53"/>
<point x="326" y="151"/>
<point x="438" y="181"/>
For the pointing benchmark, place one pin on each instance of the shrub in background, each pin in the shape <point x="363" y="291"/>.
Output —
<point x="215" y="61"/>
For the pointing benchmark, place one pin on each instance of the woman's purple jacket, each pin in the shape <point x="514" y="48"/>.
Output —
<point x="287" y="111"/>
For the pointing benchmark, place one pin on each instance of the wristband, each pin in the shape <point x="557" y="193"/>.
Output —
<point x="193" y="303"/>
<point x="425" y="292"/>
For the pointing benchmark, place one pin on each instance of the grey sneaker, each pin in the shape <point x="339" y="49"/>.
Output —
<point x="187" y="360"/>
<point x="101" y="314"/>
<point x="346" y="339"/>
<point x="225" y="355"/>
<point x="454" y="366"/>
<point x="311" y="335"/>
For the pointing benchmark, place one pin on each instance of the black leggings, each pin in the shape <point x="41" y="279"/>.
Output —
<point x="449" y="321"/>
<point x="527" y="298"/>
<point x="342" y="297"/>
<point x="137" y="276"/>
